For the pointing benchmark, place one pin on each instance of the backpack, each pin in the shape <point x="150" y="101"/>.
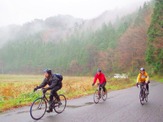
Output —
<point x="59" y="76"/>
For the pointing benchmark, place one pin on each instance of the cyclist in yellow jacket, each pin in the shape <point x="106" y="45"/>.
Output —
<point x="143" y="79"/>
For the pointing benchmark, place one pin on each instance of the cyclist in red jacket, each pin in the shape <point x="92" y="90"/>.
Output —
<point x="102" y="80"/>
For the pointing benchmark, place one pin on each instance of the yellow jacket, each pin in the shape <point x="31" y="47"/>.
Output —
<point x="142" y="78"/>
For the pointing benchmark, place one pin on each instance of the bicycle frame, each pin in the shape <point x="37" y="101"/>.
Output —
<point x="99" y="87"/>
<point x="99" y="94"/>
<point x="44" y="95"/>
<point x="143" y="88"/>
<point x="143" y="96"/>
<point x="41" y="104"/>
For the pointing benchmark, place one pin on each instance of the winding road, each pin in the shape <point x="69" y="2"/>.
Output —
<point x="121" y="106"/>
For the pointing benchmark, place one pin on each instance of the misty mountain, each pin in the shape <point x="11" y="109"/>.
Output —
<point x="117" y="46"/>
<point x="110" y="17"/>
<point x="8" y="33"/>
<point x="51" y="29"/>
<point x="60" y="27"/>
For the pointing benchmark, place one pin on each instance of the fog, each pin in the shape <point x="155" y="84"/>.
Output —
<point x="21" y="18"/>
<point x="30" y="32"/>
<point x="21" y="11"/>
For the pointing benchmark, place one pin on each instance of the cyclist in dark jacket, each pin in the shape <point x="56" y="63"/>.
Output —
<point x="54" y="83"/>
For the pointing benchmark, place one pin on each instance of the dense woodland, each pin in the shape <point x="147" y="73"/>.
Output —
<point x="123" y="46"/>
<point x="154" y="53"/>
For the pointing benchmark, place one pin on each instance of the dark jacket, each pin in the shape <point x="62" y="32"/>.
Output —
<point x="52" y="82"/>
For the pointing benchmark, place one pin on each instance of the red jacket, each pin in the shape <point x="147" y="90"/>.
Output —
<point x="100" y="77"/>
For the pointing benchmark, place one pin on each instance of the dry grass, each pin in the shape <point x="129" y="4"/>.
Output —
<point x="17" y="90"/>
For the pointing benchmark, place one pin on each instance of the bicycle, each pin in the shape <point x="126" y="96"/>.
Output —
<point x="143" y="96"/>
<point x="39" y="106"/>
<point x="99" y="94"/>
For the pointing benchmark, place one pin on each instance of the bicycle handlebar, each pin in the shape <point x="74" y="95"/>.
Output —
<point x="41" y="89"/>
<point x="138" y="84"/>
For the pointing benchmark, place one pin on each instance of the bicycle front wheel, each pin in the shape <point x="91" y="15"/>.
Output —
<point x="141" y="97"/>
<point x="96" y="97"/>
<point x="38" y="108"/>
<point x="60" y="107"/>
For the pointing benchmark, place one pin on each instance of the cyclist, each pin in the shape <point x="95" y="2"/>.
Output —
<point x="143" y="79"/>
<point x="102" y="80"/>
<point x="55" y="83"/>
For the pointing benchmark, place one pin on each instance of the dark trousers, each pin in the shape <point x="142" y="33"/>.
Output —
<point x="53" y="93"/>
<point x="103" y="86"/>
<point x="147" y="86"/>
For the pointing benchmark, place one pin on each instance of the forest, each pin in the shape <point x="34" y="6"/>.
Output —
<point x="132" y="41"/>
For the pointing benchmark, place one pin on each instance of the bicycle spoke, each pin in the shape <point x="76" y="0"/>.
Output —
<point x="104" y="95"/>
<point x="96" y="97"/>
<point x="142" y="97"/>
<point x="38" y="108"/>
<point x="60" y="107"/>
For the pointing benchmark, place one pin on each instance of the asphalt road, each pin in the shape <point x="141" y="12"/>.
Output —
<point x="121" y="106"/>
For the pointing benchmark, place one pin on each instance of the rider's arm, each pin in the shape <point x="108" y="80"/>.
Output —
<point x="95" y="79"/>
<point x="147" y="78"/>
<point x="54" y="83"/>
<point x="103" y="78"/>
<point x="138" y="79"/>
<point x="43" y="84"/>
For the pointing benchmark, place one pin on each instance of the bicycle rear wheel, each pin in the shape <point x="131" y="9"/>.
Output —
<point x="38" y="108"/>
<point x="104" y="95"/>
<point x="96" y="97"/>
<point x="60" y="107"/>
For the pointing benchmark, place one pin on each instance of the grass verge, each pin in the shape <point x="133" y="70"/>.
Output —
<point x="17" y="90"/>
<point x="157" y="78"/>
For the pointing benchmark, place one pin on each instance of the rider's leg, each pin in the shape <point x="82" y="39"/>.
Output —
<point x="141" y="87"/>
<point x="50" y="99"/>
<point x="50" y="103"/>
<point x="103" y="86"/>
<point x="141" y="90"/>
<point x="147" y="87"/>
<point x="99" y="90"/>
<point x="54" y="92"/>
<point x="56" y="96"/>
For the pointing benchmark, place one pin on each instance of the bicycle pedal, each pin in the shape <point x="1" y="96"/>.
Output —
<point x="49" y="111"/>
<point x="39" y="108"/>
<point x="59" y="104"/>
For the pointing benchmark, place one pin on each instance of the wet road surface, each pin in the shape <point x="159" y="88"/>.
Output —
<point x="121" y="106"/>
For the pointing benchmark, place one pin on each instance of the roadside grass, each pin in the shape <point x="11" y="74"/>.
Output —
<point x="17" y="90"/>
<point x="158" y="78"/>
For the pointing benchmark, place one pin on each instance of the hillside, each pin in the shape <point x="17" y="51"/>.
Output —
<point x="117" y="46"/>
<point x="51" y="29"/>
<point x="154" y="53"/>
<point x="57" y="28"/>
<point x="132" y="44"/>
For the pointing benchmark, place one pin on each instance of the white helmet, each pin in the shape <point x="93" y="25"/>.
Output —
<point x="142" y="69"/>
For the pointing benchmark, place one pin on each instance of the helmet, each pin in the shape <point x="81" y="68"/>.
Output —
<point x="49" y="71"/>
<point x="142" y="69"/>
<point x="99" y="70"/>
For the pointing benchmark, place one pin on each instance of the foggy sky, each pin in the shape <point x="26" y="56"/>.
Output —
<point x="21" y="11"/>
